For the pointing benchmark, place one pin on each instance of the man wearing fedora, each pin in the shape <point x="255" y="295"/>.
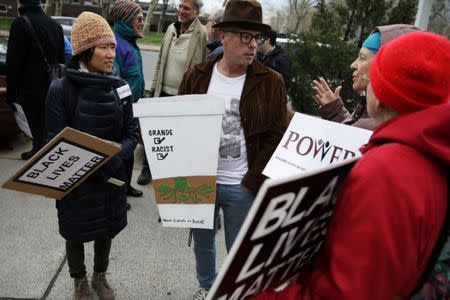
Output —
<point x="254" y="122"/>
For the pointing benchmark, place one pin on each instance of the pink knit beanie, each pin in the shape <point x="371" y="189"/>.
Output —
<point x="90" y="30"/>
<point x="411" y="72"/>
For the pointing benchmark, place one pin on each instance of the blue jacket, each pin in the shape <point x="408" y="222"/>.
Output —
<point x="95" y="209"/>
<point x="128" y="62"/>
<point x="215" y="48"/>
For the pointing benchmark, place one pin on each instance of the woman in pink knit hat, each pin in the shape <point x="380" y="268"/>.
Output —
<point x="91" y="100"/>
<point x="389" y="222"/>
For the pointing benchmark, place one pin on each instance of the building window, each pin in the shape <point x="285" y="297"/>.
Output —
<point x="3" y="9"/>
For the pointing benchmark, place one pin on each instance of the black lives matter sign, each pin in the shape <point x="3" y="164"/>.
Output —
<point x="284" y="229"/>
<point x="66" y="161"/>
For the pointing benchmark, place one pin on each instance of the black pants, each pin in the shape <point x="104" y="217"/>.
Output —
<point x="36" y="121"/>
<point x="129" y="167"/>
<point x="75" y="257"/>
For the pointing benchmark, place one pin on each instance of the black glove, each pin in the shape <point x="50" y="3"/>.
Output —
<point x="108" y="170"/>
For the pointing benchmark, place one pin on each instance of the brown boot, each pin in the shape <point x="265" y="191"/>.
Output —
<point x="82" y="291"/>
<point x="101" y="286"/>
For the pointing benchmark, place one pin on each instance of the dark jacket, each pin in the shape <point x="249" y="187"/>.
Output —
<point x="279" y="61"/>
<point x="27" y="76"/>
<point x="262" y="109"/>
<point x="335" y="111"/>
<point x="96" y="208"/>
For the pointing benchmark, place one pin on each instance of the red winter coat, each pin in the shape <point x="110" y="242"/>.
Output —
<point x="388" y="215"/>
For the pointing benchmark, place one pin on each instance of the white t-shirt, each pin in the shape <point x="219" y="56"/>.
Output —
<point x="233" y="163"/>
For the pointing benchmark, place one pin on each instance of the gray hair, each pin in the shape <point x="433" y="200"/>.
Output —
<point x="216" y="16"/>
<point x="198" y="5"/>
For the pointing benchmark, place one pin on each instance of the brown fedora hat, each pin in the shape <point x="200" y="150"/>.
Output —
<point x="246" y="14"/>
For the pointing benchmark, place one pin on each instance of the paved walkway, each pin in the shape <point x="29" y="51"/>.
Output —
<point x="147" y="261"/>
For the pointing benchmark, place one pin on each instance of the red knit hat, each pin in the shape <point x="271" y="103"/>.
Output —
<point x="412" y="72"/>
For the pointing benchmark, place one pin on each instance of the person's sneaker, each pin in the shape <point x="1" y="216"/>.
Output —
<point x="145" y="177"/>
<point x="101" y="286"/>
<point x="27" y="155"/>
<point x="131" y="191"/>
<point x="200" y="294"/>
<point x="82" y="291"/>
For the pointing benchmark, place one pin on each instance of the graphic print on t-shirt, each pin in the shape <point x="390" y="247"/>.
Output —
<point x="230" y="142"/>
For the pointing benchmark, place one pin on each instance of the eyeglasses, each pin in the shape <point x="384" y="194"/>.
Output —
<point x="246" y="37"/>
<point x="140" y="19"/>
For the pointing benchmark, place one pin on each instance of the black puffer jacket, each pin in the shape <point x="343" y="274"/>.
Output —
<point x="27" y="76"/>
<point x="279" y="61"/>
<point x="96" y="208"/>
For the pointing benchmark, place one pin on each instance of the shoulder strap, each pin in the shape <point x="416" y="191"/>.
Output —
<point x="33" y="33"/>
<point x="69" y="100"/>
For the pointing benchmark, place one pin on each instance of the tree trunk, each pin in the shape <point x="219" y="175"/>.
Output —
<point x="149" y="17"/>
<point x="348" y="26"/>
<point x="163" y="16"/>
<point x="105" y="8"/>
<point x="48" y="7"/>
<point x="58" y="7"/>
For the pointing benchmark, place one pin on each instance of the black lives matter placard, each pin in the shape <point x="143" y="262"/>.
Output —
<point x="283" y="231"/>
<point x="66" y="161"/>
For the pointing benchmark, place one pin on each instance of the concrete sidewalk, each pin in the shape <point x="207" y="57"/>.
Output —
<point x="147" y="261"/>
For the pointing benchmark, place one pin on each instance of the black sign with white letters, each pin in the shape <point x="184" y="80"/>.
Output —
<point x="284" y="230"/>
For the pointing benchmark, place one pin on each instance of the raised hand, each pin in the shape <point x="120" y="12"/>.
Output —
<point x="324" y="94"/>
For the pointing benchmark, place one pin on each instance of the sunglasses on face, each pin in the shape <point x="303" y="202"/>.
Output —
<point x="246" y="37"/>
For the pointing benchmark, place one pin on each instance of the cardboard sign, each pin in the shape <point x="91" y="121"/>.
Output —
<point x="181" y="138"/>
<point x="283" y="231"/>
<point x="66" y="161"/>
<point x="310" y="143"/>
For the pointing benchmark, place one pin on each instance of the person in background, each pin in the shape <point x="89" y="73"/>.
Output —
<point x="183" y="46"/>
<point x="128" y="27"/>
<point x="254" y="122"/>
<point x="391" y="210"/>
<point x="67" y="49"/>
<point x="27" y="73"/>
<point x="271" y="55"/>
<point x="331" y="105"/>
<point x="214" y="45"/>
<point x="95" y="210"/>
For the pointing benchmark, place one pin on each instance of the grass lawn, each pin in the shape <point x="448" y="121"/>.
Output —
<point x="5" y="23"/>
<point x="153" y="38"/>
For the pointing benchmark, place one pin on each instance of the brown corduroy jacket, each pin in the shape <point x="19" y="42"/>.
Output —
<point x="262" y="109"/>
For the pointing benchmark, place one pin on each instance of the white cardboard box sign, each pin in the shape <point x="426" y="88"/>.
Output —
<point x="181" y="137"/>
<point x="61" y="165"/>
<point x="310" y="143"/>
